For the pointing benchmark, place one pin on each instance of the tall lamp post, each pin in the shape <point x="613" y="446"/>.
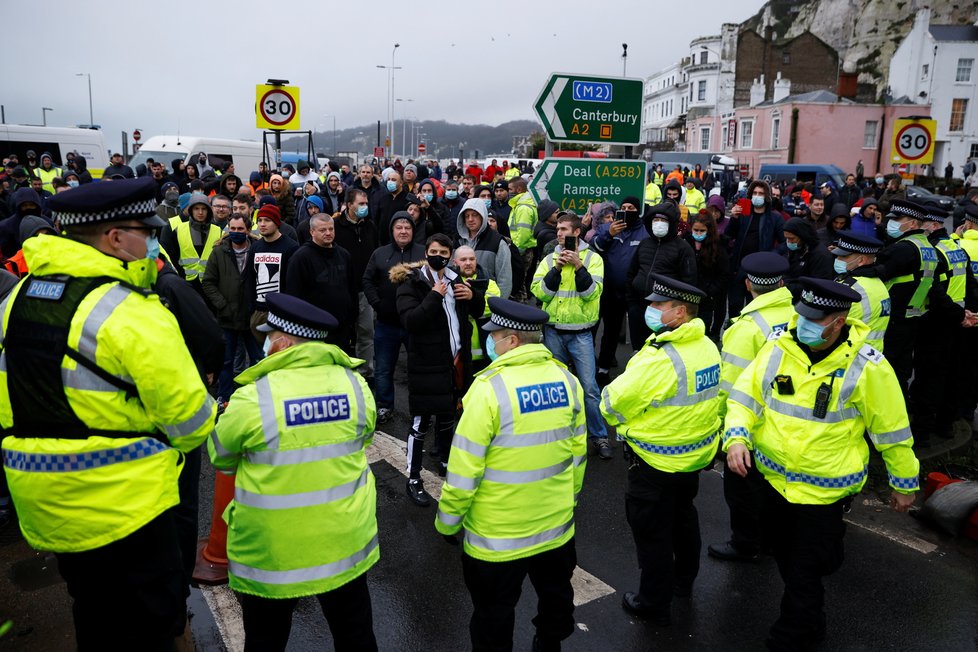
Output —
<point x="91" y="114"/>
<point x="404" y="119"/>
<point x="716" y="100"/>
<point x="390" y="96"/>
<point x="44" y="115"/>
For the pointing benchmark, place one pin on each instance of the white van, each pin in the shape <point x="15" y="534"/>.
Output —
<point x="245" y="154"/>
<point x="90" y="143"/>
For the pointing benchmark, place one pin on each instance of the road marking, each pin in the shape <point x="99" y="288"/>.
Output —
<point x="227" y="614"/>
<point x="897" y="536"/>
<point x="386" y="447"/>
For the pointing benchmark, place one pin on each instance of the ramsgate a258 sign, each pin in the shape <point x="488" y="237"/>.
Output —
<point x="585" y="109"/>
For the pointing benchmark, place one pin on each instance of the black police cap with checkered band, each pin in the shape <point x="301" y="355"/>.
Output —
<point x="764" y="267"/>
<point x="935" y="214"/>
<point x="903" y="208"/>
<point x="971" y="212"/>
<point x="514" y="315"/>
<point x="669" y="289"/>
<point x="850" y="242"/>
<point x="820" y="297"/>
<point x="293" y="316"/>
<point x="107" y="201"/>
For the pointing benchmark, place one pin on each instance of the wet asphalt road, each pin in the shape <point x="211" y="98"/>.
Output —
<point x="887" y="596"/>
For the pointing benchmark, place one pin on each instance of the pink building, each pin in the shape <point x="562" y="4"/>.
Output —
<point x="817" y="127"/>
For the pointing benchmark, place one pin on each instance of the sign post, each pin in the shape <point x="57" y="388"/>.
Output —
<point x="422" y="148"/>
<point x="913" y="141"/>
<point x="594" y="110"/>
<point x="576" y="183"/>
<point x="277" y="109"/>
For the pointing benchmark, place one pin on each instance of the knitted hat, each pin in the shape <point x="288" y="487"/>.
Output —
<point x="272" y="212"/>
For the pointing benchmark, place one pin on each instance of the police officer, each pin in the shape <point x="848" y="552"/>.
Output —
<point x="303" y="520"/>
<point x="769" y="312"/>
<point x="666" y="409"/>
<point x="954" y="290"/>
<point x="99" y="399"/>
<point x="801" y="407"/>
<point x="967" y="352"/>
<point x="855" y="261"/>
<point x="514" y="475"/>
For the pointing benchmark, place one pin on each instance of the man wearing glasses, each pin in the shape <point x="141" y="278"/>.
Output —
<point x="99" y="399"/>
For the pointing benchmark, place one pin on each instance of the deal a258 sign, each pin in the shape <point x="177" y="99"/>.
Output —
<point x="575" y="183"/>
<point x="587" y="109"/>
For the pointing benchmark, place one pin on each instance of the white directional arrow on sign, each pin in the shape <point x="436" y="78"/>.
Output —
<point x="549" y="107"/>
<point x="542" y="178"/>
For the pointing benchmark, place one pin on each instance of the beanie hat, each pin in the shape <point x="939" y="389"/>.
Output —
<point x="183" y="200"/>
<point x="411" y="167"/>
<point x="633" y="200"/>
<point x="166" y="186"/>
<point x="545" y="209"/>
<point x="313" y="199"/>
<point x="401" y="215"/>
<point x="272" y="212"/>
<point x="254" y="177"/>
<point x="716" y="201"/>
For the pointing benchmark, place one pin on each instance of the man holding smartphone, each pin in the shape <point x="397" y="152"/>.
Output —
<point x="569" y="283"/>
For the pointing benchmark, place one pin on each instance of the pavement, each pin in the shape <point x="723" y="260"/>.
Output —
<point x="903" y="585"/>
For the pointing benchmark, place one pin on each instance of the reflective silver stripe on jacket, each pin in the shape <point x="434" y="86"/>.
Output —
<point x="298" y="575"/>
<point x="746" y="400"/>
<point x="864" y="303"/>
<point x="462" y="482"/>
<point x="266" y="407"/>
<point x="894" y="437"/>
<point x="449" y="519"/>
<point x="761" y="322"/>
<point x="502" y="545"/>
<point x="606" y="398"/>
<point x="304" y="499"/>
<point x="281" y="457"/>
<point x="88" y="342"/>
<point x="525" y="477"/>
<point x="360" y="401"/>
<point x="189" y="426"/>
<point x="682" y="397"/>
<point x="735" y="360"/>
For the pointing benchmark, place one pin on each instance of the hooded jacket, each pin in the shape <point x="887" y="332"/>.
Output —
<point x="810" y="259"/>
<point x="284" y="199"/>
<point x="333" y="201"/>
<point x="491" y="251"/>
<point x="669" y="255"/>
<point x="222" y="188"/>
<point x="377" y="286"/>
<point x="770" y="230"/>
<point x="10" y="241"/>
<point x="81" y="169"/>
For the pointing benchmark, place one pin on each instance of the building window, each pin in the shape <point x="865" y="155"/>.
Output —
<point x="974" y="151"/>
<point x="869" y="134"/>
<point x="924" y="69"/>
<point x="723" y="137"/>
<point x="705" y="139"/>
<point x="959" y="107"/>
<point x="785" y="57"/>
<point x="703" y="58"/>
<point x="746" y="134"/>
<point x="775" y="132"/>
<point x="701" y="91"/>
<point x="964" y="70"/>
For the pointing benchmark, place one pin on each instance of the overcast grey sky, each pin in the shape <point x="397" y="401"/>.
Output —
<point x="160" y="66"/>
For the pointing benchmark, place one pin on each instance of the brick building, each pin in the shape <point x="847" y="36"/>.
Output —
<point x="809" y="62"/>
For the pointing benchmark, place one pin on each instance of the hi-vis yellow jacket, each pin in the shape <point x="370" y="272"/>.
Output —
<point x="820" y="460"/>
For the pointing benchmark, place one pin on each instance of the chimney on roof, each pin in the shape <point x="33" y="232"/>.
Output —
<point x="782" y="88"/>
<point x="757" y="91"/>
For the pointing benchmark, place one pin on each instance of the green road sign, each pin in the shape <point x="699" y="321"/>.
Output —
<point x="585" y="109"/>
<point x="574" y="183"/>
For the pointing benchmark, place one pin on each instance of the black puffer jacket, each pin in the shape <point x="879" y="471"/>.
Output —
<point x="810" y="259"/>
<point x="377" y="287"/>
<point x="431" y="367"/>
<point x="670" y="256"/>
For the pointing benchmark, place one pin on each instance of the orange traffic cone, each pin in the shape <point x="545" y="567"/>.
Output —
<point x="212" y="551"/>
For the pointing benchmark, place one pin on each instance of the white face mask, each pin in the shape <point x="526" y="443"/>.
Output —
<point x="660" y="229"/>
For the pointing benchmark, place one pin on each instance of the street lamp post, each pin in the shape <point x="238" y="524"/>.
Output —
<point x="91" y="114"/>
<point x="44" y="115"/>
<point x="403" y="126"/>
<point x="390" y="97"/>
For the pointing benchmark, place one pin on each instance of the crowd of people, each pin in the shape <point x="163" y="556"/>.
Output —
<point x="463" y="268"/>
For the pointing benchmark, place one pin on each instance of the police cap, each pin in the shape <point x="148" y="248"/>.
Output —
<point x="764" y="267"/>
<point x="935" y="213"/>
<point x="821" y="297"/>
<point x="971" y="212"/>
<point x="669" y="289"/>
<point x="96" y="203"/>
<point x="514" y="315"/>
<point x="903" y="208"/>
<point x="293" y="316"/>
<point x="850" y="242"/>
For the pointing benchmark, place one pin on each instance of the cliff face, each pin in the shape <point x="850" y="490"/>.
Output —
<point x="866" y="33"/>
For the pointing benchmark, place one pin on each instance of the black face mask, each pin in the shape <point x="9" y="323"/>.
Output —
<point x="437" y="263"/>
<point x="776" y="203"/>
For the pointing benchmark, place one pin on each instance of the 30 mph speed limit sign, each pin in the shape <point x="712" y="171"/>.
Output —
<point x="277" y="107"/>
<point x="913" y="141"/>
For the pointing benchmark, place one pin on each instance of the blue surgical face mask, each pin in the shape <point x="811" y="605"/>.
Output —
<point x="266" y="347"/>
<point x="653" y="319"/>
<point x="841" y="267"/>
<point x="488" y="202"/>
<point x="879" y="180"/>
<point x="757" y="201"/>
<point x="391" y="186"/>
<point x="362" y="211"/>
<point x="72" y="183"/>
<point x="428" y="197"/>
<point x="152" y="247"/>
<point x="809" y="332"/>
<point x="699" y="237"/>
<point x="893" y="229"/>
<point x="451" y="194"/>
<point x="792" y="246"/>
<point x="491" y="348"/>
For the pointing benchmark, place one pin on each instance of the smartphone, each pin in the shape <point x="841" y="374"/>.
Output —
<point x="570" y="242"/>
<point x="620" y="216"/>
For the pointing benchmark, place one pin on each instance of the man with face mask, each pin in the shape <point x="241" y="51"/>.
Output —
<point x="665" y="408"/>
<point x="169" y="207"/>
<point x="616" y="241"/>
<point x="117" y="437"/>
<point x="855" y="260"/>
<point x="760" y="230"/>
<point x="864" y="221"/>
<point x="394" y="201"/>
<point x="800" y="412"/>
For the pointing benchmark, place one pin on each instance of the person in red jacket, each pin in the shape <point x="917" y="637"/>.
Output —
<point x="474" y="170"/>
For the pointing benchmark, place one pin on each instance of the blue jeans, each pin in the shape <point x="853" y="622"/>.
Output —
<point x="225" y="382"/>
<point x="387" y="346"/>
<point x="578" y="347"/>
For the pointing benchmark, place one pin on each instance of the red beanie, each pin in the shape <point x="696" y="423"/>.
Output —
<point x="272" y="212"/>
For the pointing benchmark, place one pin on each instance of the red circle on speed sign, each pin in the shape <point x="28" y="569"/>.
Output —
<point x="277" y="107"/>
<point x="136" y="135"/>
<point x="913" y="141"/>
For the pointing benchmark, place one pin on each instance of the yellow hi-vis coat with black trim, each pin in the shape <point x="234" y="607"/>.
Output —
<point x="818" y="461"/>
<point x="192" y="263"/>
<point x="570" y="309"/>
<point x="968" y="240"/>
<point x="665" y="404"/>
<point x="873" y="308"/>
<point x="79" y="494"/>
<point x="518" y="458"/>
<point x="304" y="516"/>
<point x="522" y="219"/>
<point x="768" y="313"/>
<point x="492" y="290"/>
